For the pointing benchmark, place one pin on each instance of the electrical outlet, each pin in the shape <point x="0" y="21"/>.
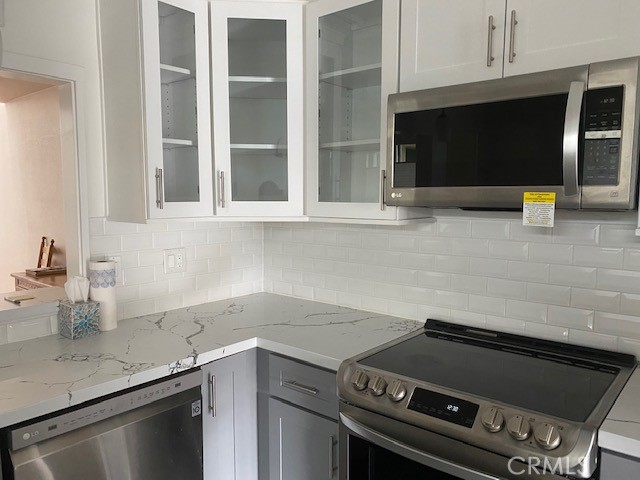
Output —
<point x="175" y="260"/>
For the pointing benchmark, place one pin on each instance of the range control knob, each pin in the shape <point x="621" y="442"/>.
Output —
<point x="519" y="427"/>
<point x="492" y="419"/>
<point x="377" y="384"/>
<point x="547" y="436"/>
<point x="396" y="391"/>
<point x="359" y="380"/>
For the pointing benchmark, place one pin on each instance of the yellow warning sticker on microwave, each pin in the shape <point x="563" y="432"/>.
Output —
<point x="538" y="209"/>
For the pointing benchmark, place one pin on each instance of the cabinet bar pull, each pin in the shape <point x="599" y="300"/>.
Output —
<point x="491" y="28"/>
<point x="159" y="189"/>
<point x="293" y="385"/>
<point x="212" y="395"/>
<point x="512" y="37"/>
<point x="383" y="179"/>
<point x="332" y="468"/>
<point x="221" y="189"/>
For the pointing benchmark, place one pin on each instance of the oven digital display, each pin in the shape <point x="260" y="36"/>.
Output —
<point x="443" y="407"/>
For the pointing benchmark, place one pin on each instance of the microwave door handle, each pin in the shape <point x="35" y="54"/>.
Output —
<point x="571" y="140"/>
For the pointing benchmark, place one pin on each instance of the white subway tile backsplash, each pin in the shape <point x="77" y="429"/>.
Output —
<point x="106" y="244"/>
<point x="378" y="241"/>
<point x="631" y="259"/>
<point x="118" y="228"/>
<point x="507" y="325"/>
<point x="550" y="294"/>
<point x="548" y="253"/>
<point x="618" y="236"/>
<point x="468" y="318"/>
<point x="490" y="229"/>
<point x="473" y="247"/>
<point x="573" y="276"/>
<point x="615" y="324"/>
<point x="326" y="296"/>
<point x="468" y="283"/>
<point x="591" y="339"/>
<point x="528" y="272"/>
<point x="576" y="233"/>
<point x="194" y="237"/>
<point x="451" y="227"/>
<point x="533" y="312"/>
<point x="349" y="239"/>
<point x="138" y="241"/>
<point x="489" y="267"/>
<point x="139" y="308"/>
<point x="96" y="226"/>
<point x="357" y="286"/>
<point x="434" y="280"/>
<point x="595" y="299"/>
<point x="598" y="256"/>
<point x="508" y="250"/>
<point x="573" y="318"/>
<point x="326" y="237"/>
<point x="335" y="282"/>
<point x="402" y="243"/>
<point x="497" y="287"/>
<point x="418" y="261"/>
<point x="530" y="234"/>
<point x="548" y="332"/>
<point x="619" y="280"/>
<point x="451" y="264"/>
<point x="154" y="290"/>
<point x="434" y="245"/>
<point x="180" y="285"/>
<point x="373" y="304"/>
<point x="628" y="345"/>
<point x="312" y="279"/>
<point x="168" y="302"/>
<point x="459" y="301"/>
<point x="136" y="276"/>
<point x="387" y="290"/>
<point x="219" y="235"/>
<point x="418" y="295"/>
<point x="630" y="304"/>
<point x="487" y="305"/>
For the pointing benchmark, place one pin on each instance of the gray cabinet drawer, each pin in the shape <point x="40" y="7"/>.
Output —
<point x="309" y="387"/>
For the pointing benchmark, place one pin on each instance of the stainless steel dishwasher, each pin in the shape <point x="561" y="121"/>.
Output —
<point x="149" y="433"/>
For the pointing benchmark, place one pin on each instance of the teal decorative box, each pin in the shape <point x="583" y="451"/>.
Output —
<point x="78" y="320"/>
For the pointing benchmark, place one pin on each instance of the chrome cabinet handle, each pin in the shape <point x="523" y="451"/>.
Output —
<point x="212" y="395"/>
<point x="512" y="37"/>
<point x="571" y="138"/>
<point x="293" y="385"/>
<point x="332" y="467"/>
<point x="159" y="189"/>
<point x="383" y="180"/>
<point x="221" y="193"/>
<point x="492" y="27"/>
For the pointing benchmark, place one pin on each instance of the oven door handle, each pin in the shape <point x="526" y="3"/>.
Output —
<point x="412" y="453"/>
<point x="571" y="139"/>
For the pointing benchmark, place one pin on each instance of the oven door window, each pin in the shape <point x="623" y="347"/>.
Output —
<point x="371" y="462"/>
<point x="507" y="143"/>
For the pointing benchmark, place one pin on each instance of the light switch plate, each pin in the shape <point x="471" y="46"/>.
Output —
<point x="175" y="260"/>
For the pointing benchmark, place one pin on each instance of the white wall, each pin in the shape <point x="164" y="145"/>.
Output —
<point x="64" y="31"/>
<point x="578" y="282"/>
<point x="31" y="197"/>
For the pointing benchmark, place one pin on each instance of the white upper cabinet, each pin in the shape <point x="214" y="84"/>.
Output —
<point x="258" y="108"/>
<point x="446" y="42"/>
<point x="552" y="34"/>
<point x="156" y="104"/>
<point x="352" y="65"/>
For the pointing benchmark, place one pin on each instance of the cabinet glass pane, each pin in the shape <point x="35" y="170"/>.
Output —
<point x="258" y="109"/>
<point x="179" y="104"/>
<point x="350" y="74"/>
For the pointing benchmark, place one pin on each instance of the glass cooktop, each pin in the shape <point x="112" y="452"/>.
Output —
<point x="523" y="378"/>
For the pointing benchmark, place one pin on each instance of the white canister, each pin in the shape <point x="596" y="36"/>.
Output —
<point x="102" y="278"/>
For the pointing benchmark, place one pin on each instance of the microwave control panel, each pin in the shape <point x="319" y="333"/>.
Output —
<point x="602" y="136"/>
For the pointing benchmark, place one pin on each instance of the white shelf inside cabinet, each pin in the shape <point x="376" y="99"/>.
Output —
<point x="177" y="143"/>
<point x="368" y="145"/>
<point x="171" y="73"/>
<point x="257" y="87"/>
<point x="256" y="148"/>
<point x="356" y="77"/>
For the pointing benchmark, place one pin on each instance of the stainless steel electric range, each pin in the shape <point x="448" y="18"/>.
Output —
<point x="454" y="402"/>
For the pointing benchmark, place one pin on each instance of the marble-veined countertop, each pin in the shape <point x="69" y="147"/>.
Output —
<point x="620" y="431"/>
<point x="51" y="373"/>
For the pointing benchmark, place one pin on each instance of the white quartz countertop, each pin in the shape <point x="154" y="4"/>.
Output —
<point x="620" y="432"/>
<point x="51" y="373"/>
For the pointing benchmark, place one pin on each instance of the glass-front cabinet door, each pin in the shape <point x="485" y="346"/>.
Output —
<point x="352" y="61"/>
<point x="258" y="108"/>
<point x="176" y="64"/>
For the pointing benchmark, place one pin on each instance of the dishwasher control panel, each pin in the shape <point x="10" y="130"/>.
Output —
<point x="25" y="435"/>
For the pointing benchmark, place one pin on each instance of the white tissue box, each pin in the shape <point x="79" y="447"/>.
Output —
<point x="78" y="320"/>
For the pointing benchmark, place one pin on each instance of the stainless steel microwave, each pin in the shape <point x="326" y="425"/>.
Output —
<point x="572" y="131"/>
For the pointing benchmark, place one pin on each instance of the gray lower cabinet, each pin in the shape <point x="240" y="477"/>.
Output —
<point x="615" y="466"/>
<point x="297" y="420"/>
<point x="302" y="445"/>
<point x="229" y="421"/>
